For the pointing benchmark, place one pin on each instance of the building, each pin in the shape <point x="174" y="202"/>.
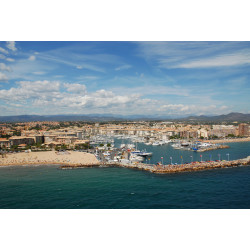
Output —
<point x="243" y="129"/>
<point x="16" y="140"/>
<point x="4" y="143"/>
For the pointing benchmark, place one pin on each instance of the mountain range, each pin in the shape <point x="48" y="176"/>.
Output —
<point x="231" y="117"/>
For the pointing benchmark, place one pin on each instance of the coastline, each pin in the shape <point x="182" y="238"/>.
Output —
<point x="72" y="160"/>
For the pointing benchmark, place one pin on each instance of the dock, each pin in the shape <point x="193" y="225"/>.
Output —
<point x="163" y="169"/>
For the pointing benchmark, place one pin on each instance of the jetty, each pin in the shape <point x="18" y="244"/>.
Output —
<point x="214" y="147"/>
<point x="170" y="168"/>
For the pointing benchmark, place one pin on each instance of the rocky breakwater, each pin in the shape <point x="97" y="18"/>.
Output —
<point x="200" y="166"/>
<point x="72" y="166"/>
<point x="163" y="169"/>
<point x="214" y="147"/>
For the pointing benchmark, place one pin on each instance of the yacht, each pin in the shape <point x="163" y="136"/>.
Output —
<point x="145" y="154"/>
<point x="156" y="143"/>
<point x="135" y="158"/>
<point x="167" y="141"/>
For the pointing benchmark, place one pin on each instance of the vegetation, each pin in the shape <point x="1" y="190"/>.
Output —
<point x="174" y="137"/>
<point x="230" y="136"/>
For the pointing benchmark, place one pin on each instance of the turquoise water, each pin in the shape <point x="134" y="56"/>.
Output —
<point x="49" y="187"/>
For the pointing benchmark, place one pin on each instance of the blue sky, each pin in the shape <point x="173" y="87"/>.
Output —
<point x="124" y="78"/>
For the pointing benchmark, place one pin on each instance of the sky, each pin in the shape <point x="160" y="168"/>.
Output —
<point x="124" y="78"/>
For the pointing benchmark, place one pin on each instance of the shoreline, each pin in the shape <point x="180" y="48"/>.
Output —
<point x="158" y="169"/>
<point x="72" y="160"/>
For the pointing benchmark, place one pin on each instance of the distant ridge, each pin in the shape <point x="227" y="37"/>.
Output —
<point x="231" y="117"/>
<point x="33" y="118"/>
<point x="108" y="117"/>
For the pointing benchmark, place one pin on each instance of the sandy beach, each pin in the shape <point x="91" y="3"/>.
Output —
<point x="49" y="157"/>
<point x="229" y="140"/>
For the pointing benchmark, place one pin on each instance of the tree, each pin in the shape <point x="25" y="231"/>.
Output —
<point x="64" y="146"/>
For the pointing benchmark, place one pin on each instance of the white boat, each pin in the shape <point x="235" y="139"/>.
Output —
<point x="156" y="143"/>
<point x="135" y="158"/>
<point x="144" y="154"/>
<point x="176" y="145"/>
<point x="167" y="141"/>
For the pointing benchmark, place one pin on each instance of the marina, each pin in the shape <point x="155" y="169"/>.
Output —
<point x="165" y="159"/>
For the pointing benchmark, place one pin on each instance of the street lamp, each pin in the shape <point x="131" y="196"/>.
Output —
<point x="201" y="157"/>
<point x="162" y="160"/>
<point x="228" y="156"/>
<point x="191" y="158"/>
<point x="171" y="160"/>
<point x="219" y="156"/>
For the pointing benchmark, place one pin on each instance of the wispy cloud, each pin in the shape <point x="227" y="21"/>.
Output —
<point x="39" y="73"/>
<point x="224" y="60"/>
<point x="32" y="58"/>
<point x="3" y="67"/>
<point x="3" y="77"/>
<point x="10" y="59"/>
<point x="11" y="45"/>
<point x="4" y="51"/>
<point x="195" y="55"/>
<point x="123" y="67"/>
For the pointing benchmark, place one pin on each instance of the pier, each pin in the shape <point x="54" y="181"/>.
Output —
<point x="170" y="168"/>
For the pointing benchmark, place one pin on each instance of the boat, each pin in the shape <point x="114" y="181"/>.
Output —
<point x="141" y="153"/>
<point x="185" y="144"/>
<point x="156" y="143"/>
<point x="145" y="154"/>
<point x="176" y="145"/>
<point x="167" y="141"/>
<point x="135" y="158"/>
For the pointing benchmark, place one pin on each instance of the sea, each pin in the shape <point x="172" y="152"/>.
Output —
<point x="48" y="187"/>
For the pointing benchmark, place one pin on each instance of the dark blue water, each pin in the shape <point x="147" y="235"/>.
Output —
<point x="49" y="187"/>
